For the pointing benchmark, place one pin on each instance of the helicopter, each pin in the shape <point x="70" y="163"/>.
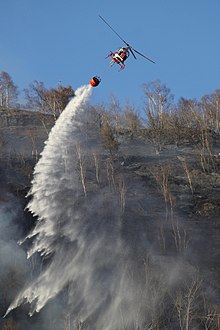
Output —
<point x="121" y="55"/>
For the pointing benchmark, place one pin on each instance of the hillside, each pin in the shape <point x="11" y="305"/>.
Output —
<point x="169" y="201"/>
<point x="22" y="136"/>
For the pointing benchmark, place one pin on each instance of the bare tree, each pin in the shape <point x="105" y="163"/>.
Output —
<point x="108" y="139"/>
<point x="114" y="115"/>
<point x="51" y="101"/>
<point x="187" y="303"/>
<point x="81" y="160"/>
<point x="185" y="109"/>
<point x="205" y="142"/>
<point x="97" y="167"/>
<point x="110" y="172"/>
<point x="8" y="91"/>
<point x="160" y="100"/>
<point x="211" y="109"/>
<point x="187" y="172"/>
<point x="211" y="318"/>
<point x="161" y="175"/>
<point x="132" y="121"/>
<point x="158" y="108"/>
<point x="122" y="193"/>
<point x="34" y="150"/>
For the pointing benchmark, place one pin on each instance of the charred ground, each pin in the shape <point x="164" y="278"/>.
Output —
<point x="168" y="183"/>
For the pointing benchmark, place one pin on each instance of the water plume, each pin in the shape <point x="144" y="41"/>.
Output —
<point x="53" y="179"/>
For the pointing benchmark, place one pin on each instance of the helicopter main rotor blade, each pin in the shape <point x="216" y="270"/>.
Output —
<point x="132" y="52"/>
<point x="114" y="30"/>
<point x="147" y="58"/>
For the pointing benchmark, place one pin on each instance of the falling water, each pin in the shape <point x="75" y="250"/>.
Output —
<point x="53" y="189"/>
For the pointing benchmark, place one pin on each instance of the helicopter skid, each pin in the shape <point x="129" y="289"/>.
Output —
<point x="122" y="66"/>
<point x="110" y="54"/>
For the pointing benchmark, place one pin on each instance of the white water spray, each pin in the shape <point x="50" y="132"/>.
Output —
<point x="53" y="179"/>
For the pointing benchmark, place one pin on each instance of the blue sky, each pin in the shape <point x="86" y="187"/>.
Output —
<point x="54" y="40"/>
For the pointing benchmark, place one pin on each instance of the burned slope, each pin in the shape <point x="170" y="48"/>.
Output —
<point x="150" y="236"/>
